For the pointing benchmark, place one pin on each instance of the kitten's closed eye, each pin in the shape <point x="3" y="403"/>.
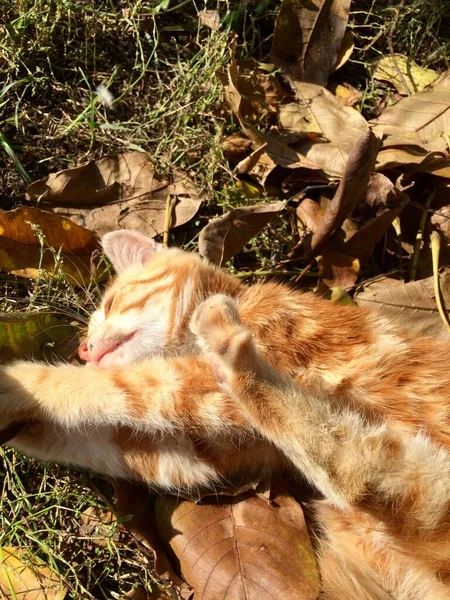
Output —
<point x="108" y="304"/>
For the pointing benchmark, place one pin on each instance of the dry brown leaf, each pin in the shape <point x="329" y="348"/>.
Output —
<point x="254" y="93"/>
<point x="441" y="220"/>
<point x="349" y="248"/>
<point x="141" y="593"/>
<point x="346" y="94"/>
<point x="209" y="18"/>
<point x="236" y="148"/>
<point x="269" y="152"/>
<point x="117" y="191"/>
<point x="411" y="305"/>
<point x="384" y="202"/>
<point x="352" y="188"/>
<point x="415" y="159"/>
<point x="345" y="51"/>
<point x="28" y="334"/>
<point x="96" y="525"/>
<point x="249" y="549"/>
<point x="224" y="236"/>
<point x="22" y="581"/>
<point x="422" y="119"/>
<point x="332" y="130"/>
<point x="20" y="246"/>
<point x="417" y="78"/>
<point x="338" y="270"/>
<point x="308" y="38"/>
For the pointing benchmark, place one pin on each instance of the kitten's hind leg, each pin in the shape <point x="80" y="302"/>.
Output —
<point x="403" y="480"/>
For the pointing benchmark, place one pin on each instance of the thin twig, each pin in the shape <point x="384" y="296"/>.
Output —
<point x="261" y="273"/>
<point x="391" y="47"/>
<point x="170" y="203"/>
<point x="419" y="236"/>
<point x="435" y="249"/>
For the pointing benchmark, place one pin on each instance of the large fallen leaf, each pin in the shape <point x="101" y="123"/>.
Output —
<point x="20" y="248"/>
<point x="118" y="191"/>
<point x="29" y="334"/>
<point x="422" y="119"/>
<point x="308" y="38"/>
<point x="327" y="131"/>
<point x="249" y="549"/>
<point x="410" y="305"/>
<point x="223" y="237"/>
<point x="21" y="581"/>
<point x="416" y="78"/>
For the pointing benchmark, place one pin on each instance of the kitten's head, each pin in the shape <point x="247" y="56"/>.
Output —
<point x="146" y="309"/>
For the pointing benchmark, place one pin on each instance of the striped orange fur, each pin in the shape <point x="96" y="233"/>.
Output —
<point x="147" y="406"/>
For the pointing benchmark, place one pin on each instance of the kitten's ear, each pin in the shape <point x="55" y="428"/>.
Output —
<point x="127" y="249"/>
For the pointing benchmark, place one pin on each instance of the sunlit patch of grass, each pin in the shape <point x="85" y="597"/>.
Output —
<point x="420" y="30"/>
<point x="40" y="512"/>
<point x="160" y="69"/>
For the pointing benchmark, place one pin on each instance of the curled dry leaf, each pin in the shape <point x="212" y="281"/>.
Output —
<point x="209" y="18"/>
<point x="117" y="191"/>
<point x="416" y="78"/>
<point x="327" y="131"/>
<point x="20" y="580"/>
<point x="352" y="188"/>
<point x="252" y="93"/>
<point x="21" y="249"/>
<point x="28" y="334"/>
<point x="345" y="51"/>
<point x="422" y="119"/>
<point x="384" y="202"/>
<point x="269" y="151"/>
<point x="308" y="38"/>
<point x="350" y="247"/>
<point x="249" y="549"/>
<point x="410" y="305"/>
<point x="224" y="236"/>
<point x="415" y="159"/>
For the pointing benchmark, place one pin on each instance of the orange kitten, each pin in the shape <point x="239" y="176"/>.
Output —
<point x="370" y="389"/>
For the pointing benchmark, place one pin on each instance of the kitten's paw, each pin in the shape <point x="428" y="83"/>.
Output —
<point x="217" y="314"/>
<point x="219" y="331"/>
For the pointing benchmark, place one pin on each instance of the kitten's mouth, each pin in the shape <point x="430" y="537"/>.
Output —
<point x="112" y="351"/>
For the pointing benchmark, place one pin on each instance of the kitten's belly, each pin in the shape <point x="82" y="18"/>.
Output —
<point x="93" y="448"/>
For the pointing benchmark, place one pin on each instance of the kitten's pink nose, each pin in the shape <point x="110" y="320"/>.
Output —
<point x="83" y="352"/>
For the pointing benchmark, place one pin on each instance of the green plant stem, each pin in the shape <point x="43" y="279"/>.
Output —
<point x="419" y="236"/>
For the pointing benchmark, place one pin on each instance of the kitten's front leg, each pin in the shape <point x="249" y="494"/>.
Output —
<point x="350" y="461"/>
<point x="75" y="396"/>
